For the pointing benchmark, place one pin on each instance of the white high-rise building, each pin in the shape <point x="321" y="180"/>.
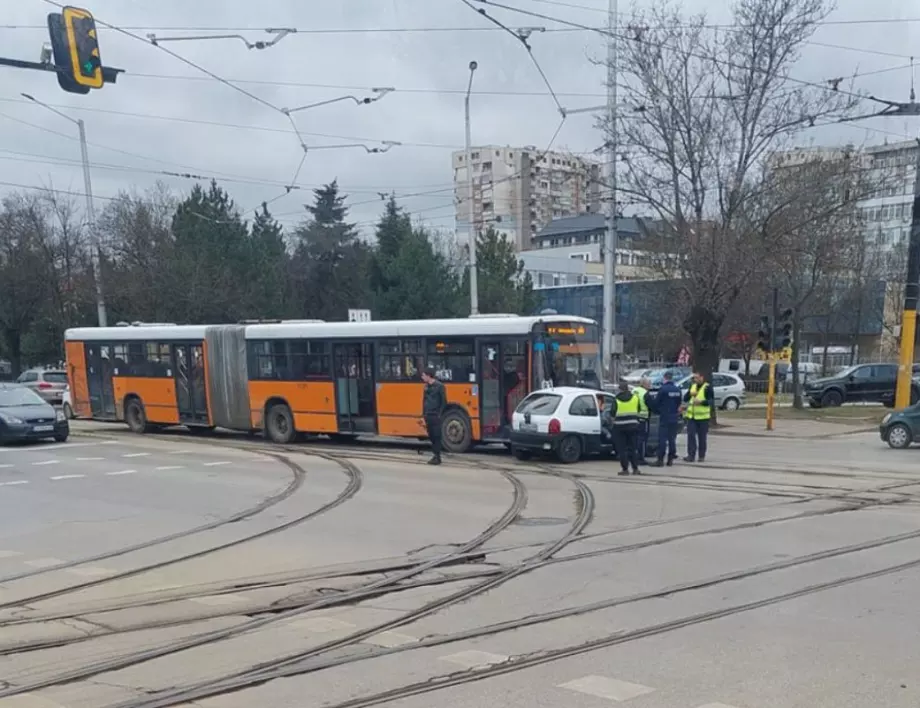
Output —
<point x="519" y="190"/>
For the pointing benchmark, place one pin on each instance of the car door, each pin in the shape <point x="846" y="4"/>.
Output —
<point x="720" y="386"/>
<point x="584" y="418"/>
<point x="884" y="381"/>
<point x="861" y="384"/>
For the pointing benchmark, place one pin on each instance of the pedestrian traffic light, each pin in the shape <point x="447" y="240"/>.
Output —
<point x="785" y="335"/>
<point x="763" y="335"/>
<point x="83" y="44"/>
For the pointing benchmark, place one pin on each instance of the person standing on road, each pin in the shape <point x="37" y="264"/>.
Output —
<point x="699" y="402"/>
<point x="642" y="390"/>
<point x="434" y="401"/>
<point x="623" y="420"/>
<point x="667" y="405"/>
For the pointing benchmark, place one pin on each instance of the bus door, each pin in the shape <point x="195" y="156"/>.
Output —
<point x="503" y="384"/>
<point x="188" y="370"/>
<point x="355" y="390"/>
<point x="99" y="380"/>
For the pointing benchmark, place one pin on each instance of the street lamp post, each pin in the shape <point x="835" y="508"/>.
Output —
<point x="95" y="253"/>
<point x="474" y="284"/>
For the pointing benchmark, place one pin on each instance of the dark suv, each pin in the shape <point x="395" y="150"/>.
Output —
<point x="874" y="383"/>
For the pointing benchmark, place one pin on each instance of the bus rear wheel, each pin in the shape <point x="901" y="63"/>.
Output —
<point x="279" y="424"/>
<point x="136" y="416"/>
<point x="456" y="431"/>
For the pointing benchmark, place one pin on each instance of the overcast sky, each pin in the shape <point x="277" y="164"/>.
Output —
<point x="164" y="115"/>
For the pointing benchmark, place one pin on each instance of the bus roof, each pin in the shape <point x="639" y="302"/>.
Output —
<point x="484" y="326"/>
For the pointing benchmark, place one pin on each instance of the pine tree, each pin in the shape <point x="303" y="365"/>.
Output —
<point x="504" y="286"/>
<point x="269" y="291"/>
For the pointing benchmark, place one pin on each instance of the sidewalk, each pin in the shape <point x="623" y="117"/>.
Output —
<point x="797" y="429"/>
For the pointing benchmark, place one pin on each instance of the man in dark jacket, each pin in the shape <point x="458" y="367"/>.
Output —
<point x="434" y="401"/>
<point x="622" y="419"/>
<point x="667" y="406"/>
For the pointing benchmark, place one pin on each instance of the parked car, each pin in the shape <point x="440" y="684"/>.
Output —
<point x="24" y="415"/>
<point x="637" y="375"/>
<point x="47" y="383"/>
<point x="677" y="373"/>
<point x="900" y="429"/>
<point x="565" y="422"/>
<point x="67" y="404"/>
<point x="728" y="390"/>
<point x="873" y="383"/>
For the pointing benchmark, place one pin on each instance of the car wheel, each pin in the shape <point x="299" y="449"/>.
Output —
<point x="68" y="411"/>
<point x="279" y="424"/>
<point x="62" y="438"/>
<point x="831" y="399"/>
<point x="899" y="436"/>
<point x="731" y="404"/>
<point x="569" y="450"/>
<point x="456" y="432"/>
<point x="519" y="454"/>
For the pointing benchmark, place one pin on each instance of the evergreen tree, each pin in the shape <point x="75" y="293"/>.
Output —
<point x="269" y="291"/>
<point x="503" y="284"/>
<point x="211" y="244"/>
<point x="331" y="265"/>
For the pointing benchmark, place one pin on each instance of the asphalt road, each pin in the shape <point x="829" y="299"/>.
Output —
<point x="782" y="573"/>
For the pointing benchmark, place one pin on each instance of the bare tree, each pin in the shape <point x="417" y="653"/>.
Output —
<point x="809" y="215"/>
<point x="709" y="108"/>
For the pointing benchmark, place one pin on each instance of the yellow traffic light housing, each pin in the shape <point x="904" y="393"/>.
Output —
<point x="83" y="43"/>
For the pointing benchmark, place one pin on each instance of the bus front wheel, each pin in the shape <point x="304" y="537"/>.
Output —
<point x="456" y="431"/>
<point x="279" y="424"/>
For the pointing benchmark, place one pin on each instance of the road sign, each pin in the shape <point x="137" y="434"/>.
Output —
<point x="359" y="315"/>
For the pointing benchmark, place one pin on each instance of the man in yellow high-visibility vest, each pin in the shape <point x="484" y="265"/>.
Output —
<point x="699" y="402"/>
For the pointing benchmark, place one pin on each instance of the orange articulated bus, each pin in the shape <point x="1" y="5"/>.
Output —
<point x="341" y="379"/>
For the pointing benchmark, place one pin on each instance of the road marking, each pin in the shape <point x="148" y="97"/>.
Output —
<point x="170" y="467"/>
<point x="28" y="700"/>
<point x="137" y="454"/>
<point x="603" y="687"/>
<point x="90" y="572"/>
<point x="46" y="462"/>
<point x="115" y="474"/>
<point x="90" y="459"/>
<point x="55" y="446"/>
<point x="472" y="658"/>
<point x="3" y="467"/>
<point x="183" y="452"/>
<point x="14" y="483"/>
<point x="216" y="464"/>
<point x="321" y="625"/>
<point x="390" y="640"/>
<point x="68" y="476"/>
<point x="9" y="554"/>
<point x="44" y="562"/>
<point x="218" y="600"/>
<point x="717" y="705"/>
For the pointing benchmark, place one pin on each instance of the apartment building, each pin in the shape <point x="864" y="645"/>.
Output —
<point x="519" y="190"/>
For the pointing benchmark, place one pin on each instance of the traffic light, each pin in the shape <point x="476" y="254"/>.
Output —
<point x="85" y="62"/>
<point x="785" y="332"/>
<point x="763" y="335"/>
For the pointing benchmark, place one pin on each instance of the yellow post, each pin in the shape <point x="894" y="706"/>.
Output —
<point x="771" y="386"/>
<point x="906" y="360"/>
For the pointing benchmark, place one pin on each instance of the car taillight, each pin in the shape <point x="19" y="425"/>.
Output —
<point x="44" y="385"/>
<point x="555" y="427"/>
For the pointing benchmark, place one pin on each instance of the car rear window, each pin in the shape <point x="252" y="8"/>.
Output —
<point x="58" y="377"/>
<point x="540" y="404"/>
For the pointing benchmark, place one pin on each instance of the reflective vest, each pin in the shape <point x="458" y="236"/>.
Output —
<point x="698" y="408"/>
<point x="643" y="409"/>
<point x="627" y="411"/>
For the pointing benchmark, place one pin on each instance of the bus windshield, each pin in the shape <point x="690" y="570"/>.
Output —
<point x="566" y="354"/>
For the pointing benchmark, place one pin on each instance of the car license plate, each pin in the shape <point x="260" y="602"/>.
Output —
<point x="528" y="427"/>
<point x="43" y="429"/>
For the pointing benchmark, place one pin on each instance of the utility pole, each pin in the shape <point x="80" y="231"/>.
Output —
<point x="771" y="378"/>
<point x="473" y="231"/>
<point x="95" y="251"/>
<point x="609" y="347"/>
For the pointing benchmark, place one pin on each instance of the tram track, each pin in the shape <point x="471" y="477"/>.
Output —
<point x="518" y="503"/>
<point x="312" y="660"/>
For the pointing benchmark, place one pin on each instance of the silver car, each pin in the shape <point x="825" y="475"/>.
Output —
<point x="47" y="383"/>
<point x="727" y="390"/>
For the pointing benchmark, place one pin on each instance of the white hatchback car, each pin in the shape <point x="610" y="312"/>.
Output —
<point x="566" y="422"/>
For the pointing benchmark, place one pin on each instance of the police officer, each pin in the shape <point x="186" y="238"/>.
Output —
<point x="642" y="390"/>
<point x="667" y="405"/>
<point x="434" y="401"/>
<point x="623" y="419"/>
<point x="699" y="402"/>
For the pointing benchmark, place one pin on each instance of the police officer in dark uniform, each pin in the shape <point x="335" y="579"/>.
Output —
<point x="434" y="401"/>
